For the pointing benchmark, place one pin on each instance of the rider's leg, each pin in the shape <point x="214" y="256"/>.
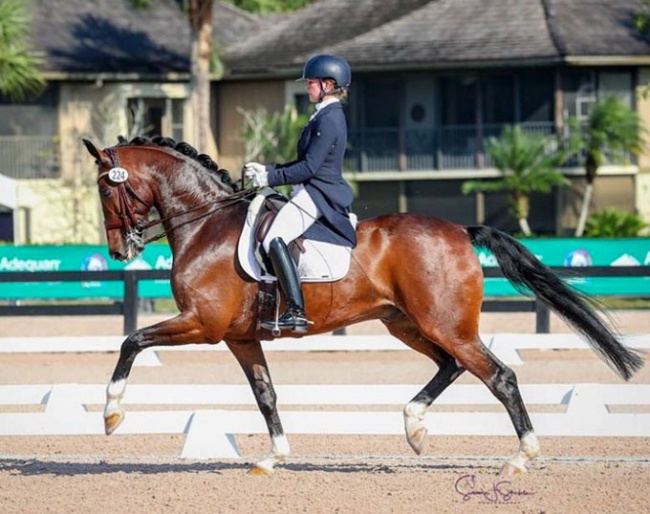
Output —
<point x="291" y="222"/>
<point x="294" y="318"/>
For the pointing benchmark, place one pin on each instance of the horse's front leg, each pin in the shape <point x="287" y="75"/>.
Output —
<point x="250" y="356"/>
<point x="182" y="329"/>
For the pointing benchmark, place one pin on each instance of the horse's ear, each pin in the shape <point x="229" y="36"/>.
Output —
<point x="94" y="151"/>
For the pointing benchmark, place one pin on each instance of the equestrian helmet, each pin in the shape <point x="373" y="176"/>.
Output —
<point x="328" y="67"/>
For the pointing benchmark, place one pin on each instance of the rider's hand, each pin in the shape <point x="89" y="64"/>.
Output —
<point x="257" y="173"/>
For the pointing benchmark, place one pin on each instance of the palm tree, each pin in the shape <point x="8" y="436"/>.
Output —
<point x="528" y="164"/>
<point x="19" y="74"/>
<point x="613" y="130"/>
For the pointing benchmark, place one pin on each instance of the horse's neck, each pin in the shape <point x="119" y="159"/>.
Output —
<point x="181" y="187"/>
<point x="188" y="198"/>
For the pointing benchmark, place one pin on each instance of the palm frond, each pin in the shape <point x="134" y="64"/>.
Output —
<point x="14" y="22"/>
<point x="615" y="128"/>
<point x="19" y="70"/>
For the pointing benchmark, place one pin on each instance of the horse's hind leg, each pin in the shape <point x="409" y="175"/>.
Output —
<point x="448" y="371"/>
<point x="251" y="358"/>
<point x="502" y="382"/>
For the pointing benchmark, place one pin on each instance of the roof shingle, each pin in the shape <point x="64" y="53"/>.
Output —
<point x="440" y="33"/>
<point x="100" y="36"/>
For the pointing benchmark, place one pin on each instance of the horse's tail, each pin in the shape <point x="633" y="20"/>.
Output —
<point x="525" y="271"/>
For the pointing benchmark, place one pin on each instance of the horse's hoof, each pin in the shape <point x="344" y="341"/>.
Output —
<point x="510" y="470"/>
<point x="112" y="421"/>
<point x="418" y="439"/>
<point x="260" y="471"/>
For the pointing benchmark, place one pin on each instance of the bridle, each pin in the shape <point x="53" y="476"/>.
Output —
<point x="127" y="216"/>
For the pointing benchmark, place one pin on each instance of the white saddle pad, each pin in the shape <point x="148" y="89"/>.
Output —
<point x="321" y="262"/>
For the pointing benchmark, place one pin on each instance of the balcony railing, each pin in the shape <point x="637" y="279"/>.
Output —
<point x="23" y="157"/>
<point x="444" y="148"/>
<point x="376" y="149"/>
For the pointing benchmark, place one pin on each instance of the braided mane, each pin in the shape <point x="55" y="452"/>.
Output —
<point x="185" y="149"/>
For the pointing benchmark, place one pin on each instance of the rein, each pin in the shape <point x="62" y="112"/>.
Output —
<point x="118" y="177"/>
<point x="218" y="205"/>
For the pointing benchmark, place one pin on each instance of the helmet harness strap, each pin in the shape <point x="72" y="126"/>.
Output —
<point x="335" y="89"/>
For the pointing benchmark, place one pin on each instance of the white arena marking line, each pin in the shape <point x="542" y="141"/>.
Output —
<point x="505" y="346"/>
<point x="209" y="432"/>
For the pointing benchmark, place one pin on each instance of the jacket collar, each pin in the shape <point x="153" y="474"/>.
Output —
<point x="322" y="105"/>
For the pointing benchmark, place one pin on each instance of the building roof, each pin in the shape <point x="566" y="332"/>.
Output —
<point x="112" y="37"/>
<point x="597" y="27"/>
<point x="100" y="36"/>
<point x="386" y="34"/>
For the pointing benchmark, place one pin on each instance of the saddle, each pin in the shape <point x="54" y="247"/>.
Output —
<point x="316" y="261"/>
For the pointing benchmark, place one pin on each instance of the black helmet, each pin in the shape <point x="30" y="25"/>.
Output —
<point x="328" y="67"/>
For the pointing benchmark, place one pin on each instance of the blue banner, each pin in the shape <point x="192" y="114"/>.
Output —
<point x="80" y="258"/>
<point x="552" y="252"/>
<point x="581" y="253"/>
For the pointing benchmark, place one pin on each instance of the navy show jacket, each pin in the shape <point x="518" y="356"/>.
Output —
<point x="319" y="167"/>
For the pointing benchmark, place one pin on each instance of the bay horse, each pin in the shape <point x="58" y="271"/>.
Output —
<point x="420" y="276"/>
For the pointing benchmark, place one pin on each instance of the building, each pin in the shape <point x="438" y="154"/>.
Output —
<point x="431" y="81"/>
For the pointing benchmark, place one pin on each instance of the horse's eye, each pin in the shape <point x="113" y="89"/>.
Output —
<point x="106" y="193"/>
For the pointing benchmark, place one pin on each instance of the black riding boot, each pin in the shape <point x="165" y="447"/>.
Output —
<point x="294" y="318"/>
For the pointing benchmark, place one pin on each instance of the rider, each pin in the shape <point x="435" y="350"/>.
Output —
<point x="319" y="190"/>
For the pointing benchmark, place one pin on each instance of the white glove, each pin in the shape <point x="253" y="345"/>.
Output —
<point x="257" y="173"/>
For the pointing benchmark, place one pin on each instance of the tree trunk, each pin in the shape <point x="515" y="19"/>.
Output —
<point x="522" y="210"/>
<point x="200" y="16"/>
<point x="525" y="228"/>
<point x="586" y="201"/>
<point x="591" y="170"/>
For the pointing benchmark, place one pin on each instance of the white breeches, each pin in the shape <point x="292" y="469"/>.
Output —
<point x="294" y="218"/>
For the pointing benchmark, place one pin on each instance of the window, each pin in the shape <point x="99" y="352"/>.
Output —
<point x="156" y="117"/>
<point x="28" y="129"/>
<point x="579" y="93"/>
<point x="536" y="96"/>
<point x="498" y="99"/>
<point x="177" y="120"/>
<point x="618" y="83"/>
<point x="33" y="116"/>
<point x="583" y="88"/>
<point x="382" y="103"/>
<point x="457" y="100"/>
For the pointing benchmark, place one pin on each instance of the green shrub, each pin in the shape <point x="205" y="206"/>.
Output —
<point x="614" y="223"/>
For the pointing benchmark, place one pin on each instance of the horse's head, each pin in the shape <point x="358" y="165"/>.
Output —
<point x="125" y="198"/>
